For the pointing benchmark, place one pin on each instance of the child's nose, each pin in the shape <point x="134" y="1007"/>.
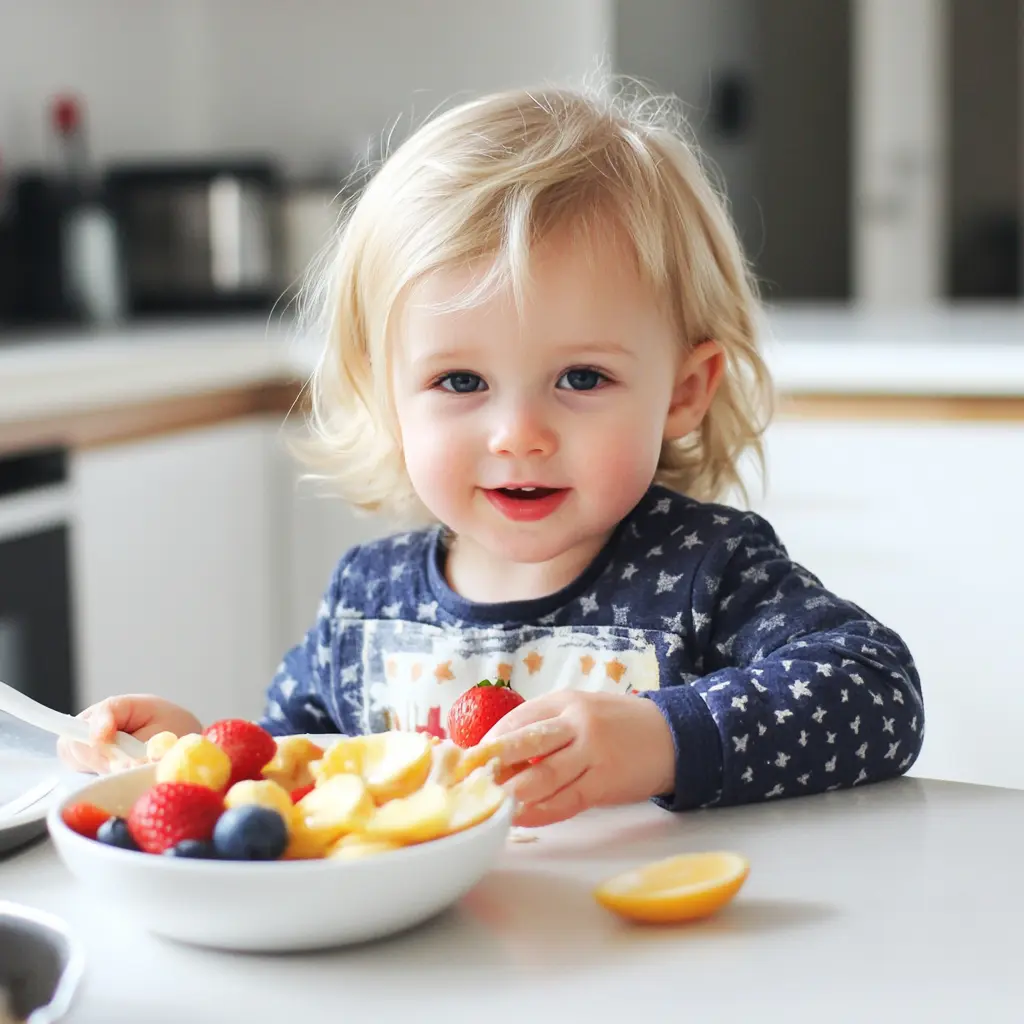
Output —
<point x="521" y="430"/>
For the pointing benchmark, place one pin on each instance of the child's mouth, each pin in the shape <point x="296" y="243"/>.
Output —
<point x="526" y="504"/>
<point x="528" y="493"/>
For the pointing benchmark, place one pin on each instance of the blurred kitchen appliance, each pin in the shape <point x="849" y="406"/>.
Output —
<point x="60" y="253"/>
<point x="198" y="237"/>
<point x="35" y="603"/>
<point x="309" y="215"/>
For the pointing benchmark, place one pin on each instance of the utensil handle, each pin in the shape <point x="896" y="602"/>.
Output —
<point x="21" y="706"/>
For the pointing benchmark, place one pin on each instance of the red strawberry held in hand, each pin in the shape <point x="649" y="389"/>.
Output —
<point x="248" y="746"/>
<point x="472" y="715"/>
<point x="170" y="812"/>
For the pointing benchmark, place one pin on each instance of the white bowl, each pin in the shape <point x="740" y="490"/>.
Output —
<point x="278" y="905"/>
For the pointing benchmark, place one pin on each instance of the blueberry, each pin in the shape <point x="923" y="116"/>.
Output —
<point x="250" y="832"/>
<point x="114" y="832"/>
<point x="196" y="849"/>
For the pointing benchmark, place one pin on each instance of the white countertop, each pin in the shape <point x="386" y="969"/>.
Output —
<point x="895" y="902"/>
<point x="962" y="351"/>
<point x="950" y="351"/>
<point x="75" y="371"/>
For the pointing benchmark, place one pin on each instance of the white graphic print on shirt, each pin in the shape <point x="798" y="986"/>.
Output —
<point x="413" y="672"/>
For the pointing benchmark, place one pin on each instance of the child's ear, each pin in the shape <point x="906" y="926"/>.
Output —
<point x="697" y="379"/>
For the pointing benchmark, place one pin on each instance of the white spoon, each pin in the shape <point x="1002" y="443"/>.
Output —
<point x="15" y="703"/>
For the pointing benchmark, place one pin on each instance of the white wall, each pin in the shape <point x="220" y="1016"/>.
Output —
<point x="315" y="79"/>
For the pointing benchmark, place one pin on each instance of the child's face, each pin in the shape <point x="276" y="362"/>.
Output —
<point x="573" y="397"/>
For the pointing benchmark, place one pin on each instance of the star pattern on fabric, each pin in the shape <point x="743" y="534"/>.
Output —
<point x="807" y="692"/>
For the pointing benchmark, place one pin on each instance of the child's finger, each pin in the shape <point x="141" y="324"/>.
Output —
<point x="538" y="709"/>
<point x="102" y="723"/>
<point x="83" y="757"/>
<point x="128" y="712"/>
<point x="565" y="804"/>
<point x="542" y="781"/>
<point x="534" y="740"/>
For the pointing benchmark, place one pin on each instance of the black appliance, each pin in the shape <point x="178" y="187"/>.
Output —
<point x="36" y="655"/>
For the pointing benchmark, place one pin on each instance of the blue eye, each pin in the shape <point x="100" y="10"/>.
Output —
<point x="462" y="383"/>
<point x="581" y="380"/>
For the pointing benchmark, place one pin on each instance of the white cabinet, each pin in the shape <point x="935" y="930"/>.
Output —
<point x="321" y="528"/>
<point x="919" y="524"/>
<point x="176" y="545"/>
<point x="198" y="558"/>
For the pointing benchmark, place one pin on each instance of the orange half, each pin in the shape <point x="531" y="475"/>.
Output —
<point x="681" y="888"/>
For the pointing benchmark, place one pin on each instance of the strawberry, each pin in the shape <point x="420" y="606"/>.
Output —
<point x="248" y="746"/>
<point x="473" y="714"/>
<point x="170" y="812"/>
<point x="84" y="818"/>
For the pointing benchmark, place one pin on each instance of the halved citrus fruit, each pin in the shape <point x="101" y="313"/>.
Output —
<point x="681" y="888"/>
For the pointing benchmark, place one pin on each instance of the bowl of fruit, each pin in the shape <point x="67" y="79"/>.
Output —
<point x="239" y="840"/>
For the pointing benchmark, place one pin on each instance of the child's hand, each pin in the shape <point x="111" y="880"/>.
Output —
<point x="140" y="715"/>
<point x="595" y="748"/>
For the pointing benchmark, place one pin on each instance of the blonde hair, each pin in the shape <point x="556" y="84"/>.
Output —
<point x="487" y="180"/>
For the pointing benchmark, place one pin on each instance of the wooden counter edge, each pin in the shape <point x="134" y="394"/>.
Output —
<point x="905" y="408"/>
<point x="119" y="424"/>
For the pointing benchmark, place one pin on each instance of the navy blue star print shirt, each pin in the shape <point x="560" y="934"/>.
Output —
<point x="771" y="685"/>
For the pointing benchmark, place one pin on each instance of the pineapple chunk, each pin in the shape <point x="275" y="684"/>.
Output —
<point x="194" y="758"/>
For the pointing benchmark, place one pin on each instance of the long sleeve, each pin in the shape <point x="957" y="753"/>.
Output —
<point x="800" y="691"/>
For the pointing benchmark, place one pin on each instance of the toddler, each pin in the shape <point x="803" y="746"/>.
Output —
<point x="540" y="337"/>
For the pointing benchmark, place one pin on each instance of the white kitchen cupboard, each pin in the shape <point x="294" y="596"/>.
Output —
<point x="919" y="523"/>
<point x="178" y="545"/>
<point x="321" y="528"/>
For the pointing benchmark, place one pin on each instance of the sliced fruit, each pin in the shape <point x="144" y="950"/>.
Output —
<point x="298" y="794"/>
<point x="248" y="745"/>
<point x="681" y="888"/>
<point x="395" y="764"/>
<point x="264" y="793"/>
<point x="289" y="766"/>
<point x="344" y="757"/>
<point x="474" y="758"/>
<point x="417" y="818"/>
<point x="355" y="845"/>
<point x="157" y="746"/>
<point x="194" y="758"/>
<point x="445" y="759"/>
<point x="475" y="799"/>
<point x="84" y="818"/>
<point x="304" y="844"/>
<point x="338" y="805"/>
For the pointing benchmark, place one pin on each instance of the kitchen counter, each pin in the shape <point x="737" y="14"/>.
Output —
<point x="839" y="356"/>
<point x="896" y="902"/>
<point x="961" y="351"/>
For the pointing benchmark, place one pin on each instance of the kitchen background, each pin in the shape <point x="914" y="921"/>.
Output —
<point x="167" y="170"/>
